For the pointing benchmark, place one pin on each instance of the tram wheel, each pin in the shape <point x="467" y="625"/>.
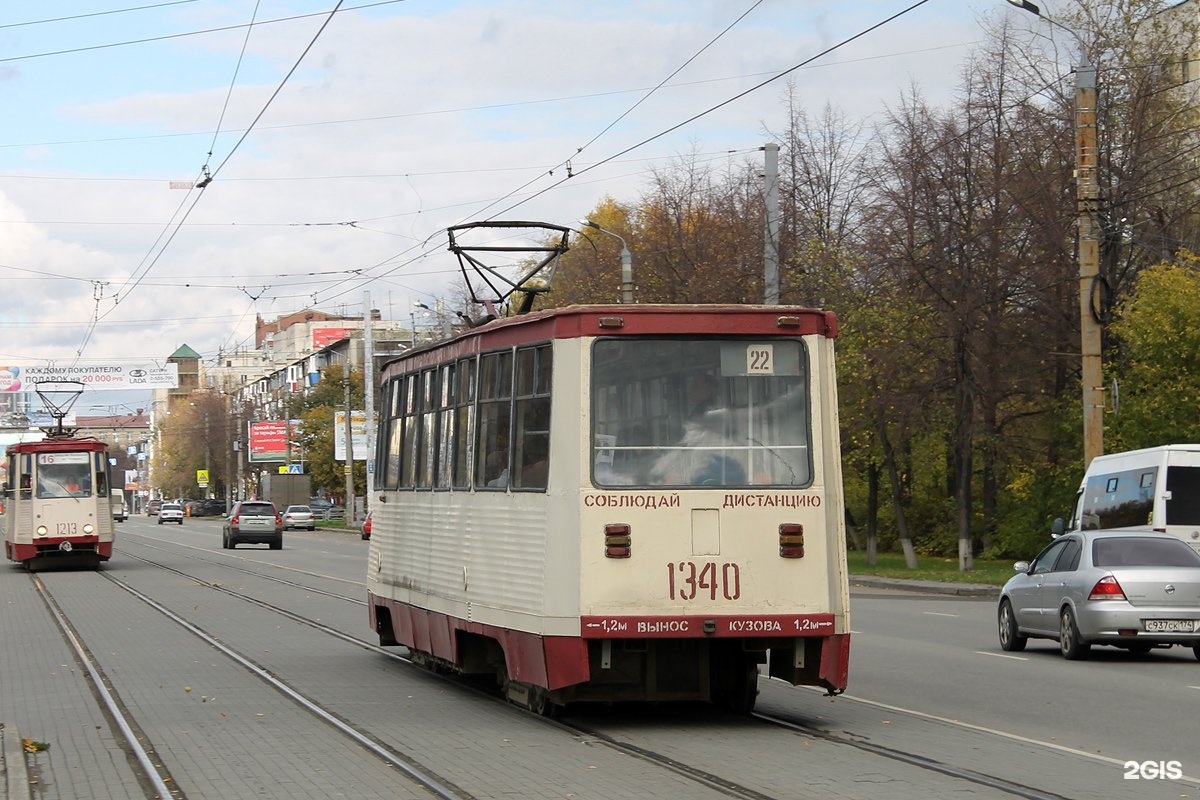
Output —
<point x="735" y="684"/>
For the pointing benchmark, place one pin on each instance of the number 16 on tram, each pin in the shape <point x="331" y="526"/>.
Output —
<point x="607" y="503"/>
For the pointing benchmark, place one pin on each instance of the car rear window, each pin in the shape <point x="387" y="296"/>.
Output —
<point x="298" y="509"/>
<point x="1143" y="552"/>
<point x="258" y="509"/>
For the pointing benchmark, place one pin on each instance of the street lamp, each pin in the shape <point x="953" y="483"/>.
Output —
<point x="1087" y="194"/>
<point x="626" y="261"/>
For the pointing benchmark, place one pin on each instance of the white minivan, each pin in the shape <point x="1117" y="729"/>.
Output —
<point x="1158" y="487"/>
<point x="117" y="500"/>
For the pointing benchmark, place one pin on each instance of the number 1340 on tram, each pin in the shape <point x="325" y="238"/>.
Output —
<point x="617" y="503"/>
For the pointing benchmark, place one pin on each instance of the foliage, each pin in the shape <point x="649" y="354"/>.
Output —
<point x="1157" y="332"/>
<point x="194" y="435"/>
<point x="316" y="411"/>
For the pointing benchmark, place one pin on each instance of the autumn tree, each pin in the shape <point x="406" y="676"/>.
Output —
<point x="1157" y="357"/>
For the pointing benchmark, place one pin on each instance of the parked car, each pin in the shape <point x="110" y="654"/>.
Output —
<point x="213" y="507"/>
<point x="1130" y="589"/>
<point x="252" y="522"/>
<point x="152" y="508"/>
<point x="299" y="517"/>
<point x="170" y="512"/>
<point x="366" y="526"/>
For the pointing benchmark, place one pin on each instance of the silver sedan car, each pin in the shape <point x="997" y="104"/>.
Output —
<point x="1131" y="589"/>
<point x="299" y="517"/>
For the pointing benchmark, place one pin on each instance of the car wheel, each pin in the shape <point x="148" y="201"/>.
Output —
<point x="1011" y="639"/>
<point x="160" y="522"/>
<point x="313" y="528"/>
<point x="1072" y="647"/>
<point x="277" y="545"/>
<point x="1196" y="651"/>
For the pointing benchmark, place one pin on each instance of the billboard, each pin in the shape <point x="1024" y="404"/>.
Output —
<point x="269" y="440"/>
<point x="358" y="435"/>
<point x="323" y="337"/>
<point x="120" y="375"/>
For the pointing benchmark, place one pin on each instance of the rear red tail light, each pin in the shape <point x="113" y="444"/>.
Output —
<point x="234" y="520"/>
<point x="1107" y="588"/>
<point x="617" y="542"/>
<point x="791" y="540"/>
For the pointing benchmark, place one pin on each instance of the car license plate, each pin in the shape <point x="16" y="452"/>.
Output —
<point x="1171" y="625"/>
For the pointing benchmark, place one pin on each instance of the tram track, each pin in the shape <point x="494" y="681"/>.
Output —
<point x="594" y="735"/>
<point x="155" y="776"/>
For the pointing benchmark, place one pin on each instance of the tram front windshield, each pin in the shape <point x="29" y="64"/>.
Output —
<point x="64" y="475"/>
<point x="700" y="413"/>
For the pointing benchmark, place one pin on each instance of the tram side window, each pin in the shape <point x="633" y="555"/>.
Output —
<point x="408" y="445"/>
<point x="532" y="455"/>
<point x="391" y="441"/>
<point x="426" y="429"/>
<point x="493" y="451"/>
<point x="445" y="423"/>
<point x="101" y="476"/>
<point x="464" y="423"/>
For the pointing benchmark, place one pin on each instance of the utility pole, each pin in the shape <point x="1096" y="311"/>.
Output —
<point x="1090" y="300"/>
<point x="1087" y="197"/>
<point x="350" y="517"/>
<point x="369" y="393"/>
<point x="771" y="244"/>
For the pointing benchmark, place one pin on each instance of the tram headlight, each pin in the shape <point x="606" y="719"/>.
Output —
<point x="42" y="530"/>
<point x="89" y="528"/>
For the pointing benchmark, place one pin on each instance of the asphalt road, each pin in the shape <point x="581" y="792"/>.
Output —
<point x="928" y="683"/>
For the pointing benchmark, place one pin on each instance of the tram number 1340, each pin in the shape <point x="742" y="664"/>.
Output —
<point x="687" y="579"/>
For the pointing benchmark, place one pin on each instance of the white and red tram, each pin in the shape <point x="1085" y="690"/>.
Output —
<point x="605" y="503"/>
<point x="57" y="502"/>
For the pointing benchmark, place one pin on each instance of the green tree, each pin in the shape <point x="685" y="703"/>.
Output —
<point x="316" y="411"/>
<point x="1157" y="337"/>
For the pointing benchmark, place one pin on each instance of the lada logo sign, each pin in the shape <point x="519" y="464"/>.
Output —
<point x="138" y="373"/>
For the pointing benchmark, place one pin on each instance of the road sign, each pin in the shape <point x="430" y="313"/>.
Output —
<point x="202" y="478"/>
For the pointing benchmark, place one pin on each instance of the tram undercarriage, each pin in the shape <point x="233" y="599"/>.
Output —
<point x="723" y="671"/>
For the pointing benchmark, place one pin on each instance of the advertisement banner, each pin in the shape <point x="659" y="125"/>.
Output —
<point x="110" y="377"/>
<point x="323" y="337"/>
<point x="358" y="435"/>
<point x="268" y="441"/>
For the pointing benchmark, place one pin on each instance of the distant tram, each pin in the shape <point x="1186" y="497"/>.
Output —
<point x="57" y="502"/>
<point x="616" y="503"/>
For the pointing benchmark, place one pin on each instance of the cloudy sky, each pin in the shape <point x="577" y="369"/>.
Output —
<point x="341" y="147"/>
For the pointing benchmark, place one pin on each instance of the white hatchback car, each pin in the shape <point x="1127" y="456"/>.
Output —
<point x="170" y="512"/>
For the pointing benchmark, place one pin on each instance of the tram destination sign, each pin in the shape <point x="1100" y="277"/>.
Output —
<point x="113" y="376"/>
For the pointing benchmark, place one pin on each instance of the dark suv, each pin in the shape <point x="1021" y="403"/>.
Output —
<point x="253" y="522"/>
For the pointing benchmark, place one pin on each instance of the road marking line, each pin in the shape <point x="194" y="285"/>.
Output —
<point x="1000" y="655"/>
<point x="984" y="729"/>
<point x="938" y="614"/>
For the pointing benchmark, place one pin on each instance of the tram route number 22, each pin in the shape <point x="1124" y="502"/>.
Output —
<point x="687" y="579"/>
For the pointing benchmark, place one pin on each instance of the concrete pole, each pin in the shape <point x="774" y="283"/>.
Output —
<point x="771" y="245"/>
<point x="369" y="394"/>
<point x="349" y="466"/>
<point x="1090" y="300"/>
